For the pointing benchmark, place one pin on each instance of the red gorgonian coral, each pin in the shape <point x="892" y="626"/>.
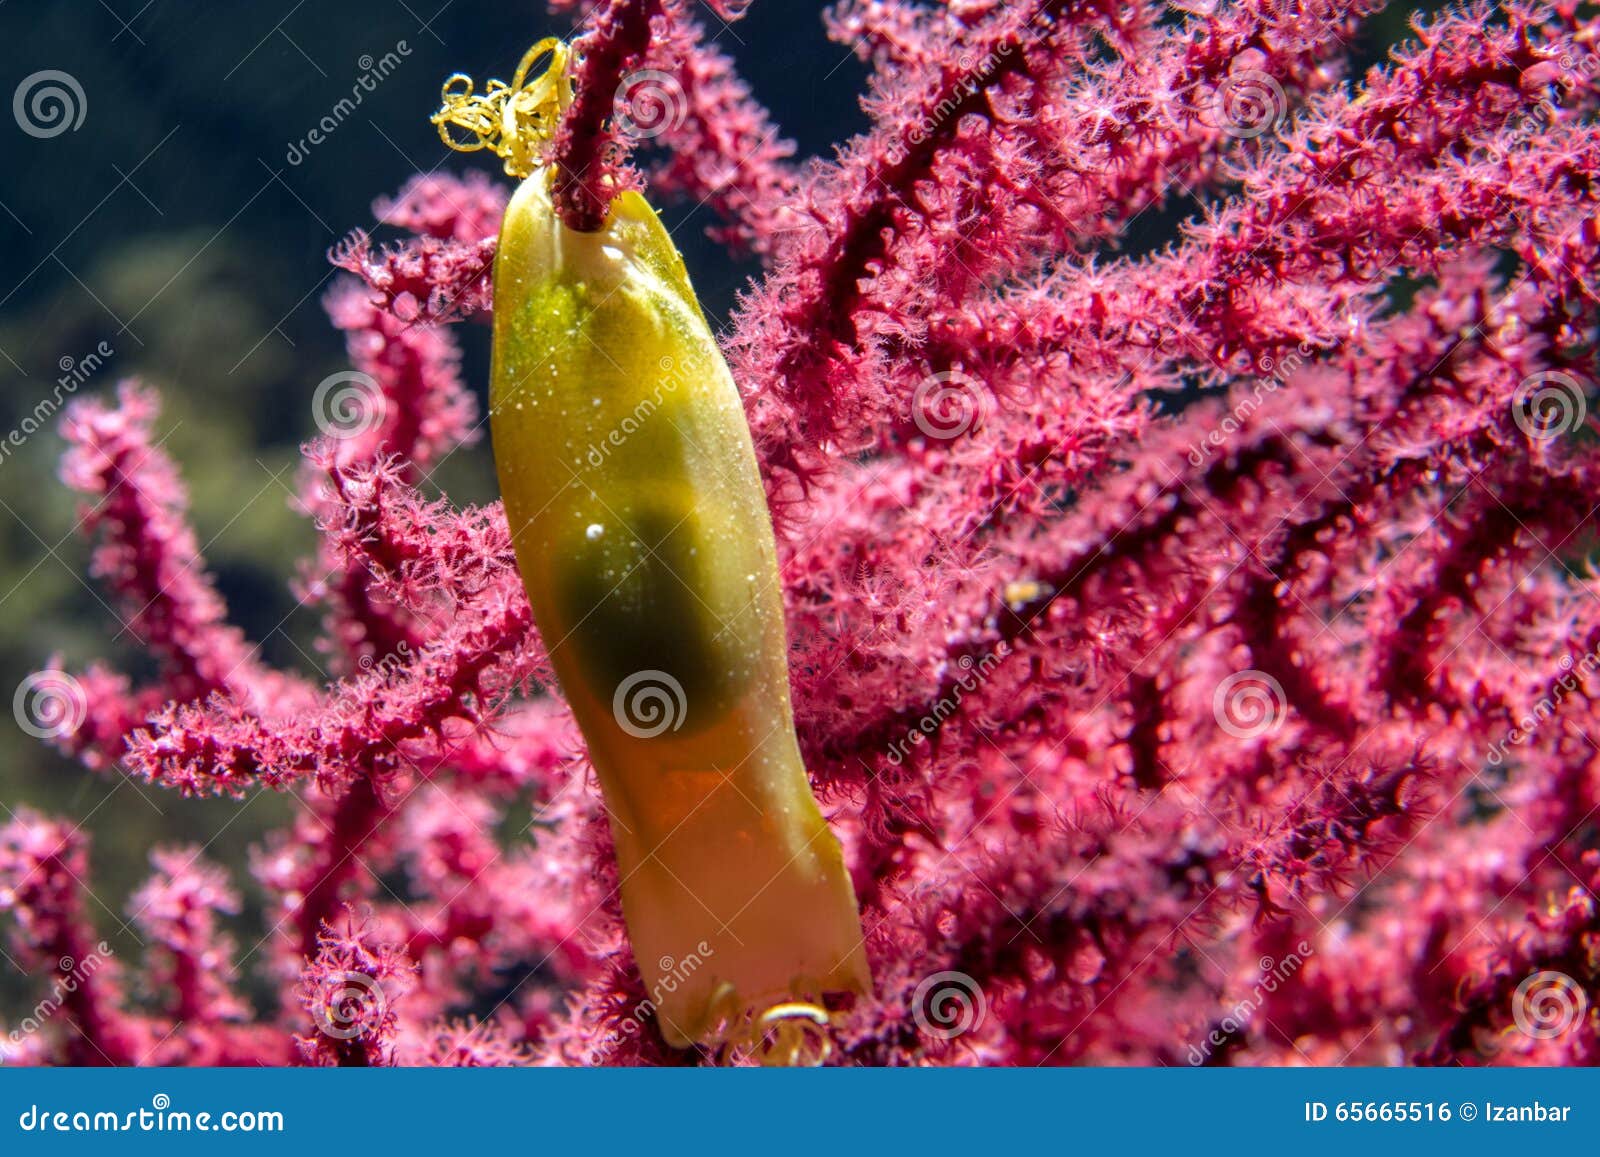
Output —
<point x="1193" y="648"/>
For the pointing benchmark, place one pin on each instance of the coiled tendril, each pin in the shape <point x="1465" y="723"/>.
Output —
<point x="793" y="1034"/>
<point x="514" y="120"/>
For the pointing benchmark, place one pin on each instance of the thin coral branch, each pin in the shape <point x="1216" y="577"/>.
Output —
<point x="589" y="152"/>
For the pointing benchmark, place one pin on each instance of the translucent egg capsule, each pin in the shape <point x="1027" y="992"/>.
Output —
<point x="651" y="567"/>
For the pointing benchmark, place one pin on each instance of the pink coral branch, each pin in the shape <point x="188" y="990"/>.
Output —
<point x="588" y="152"/>
<point x="1555" y="948"/>
<point x="43" y="864"/>
<point x="721" y="148"/>
<point x="351" y="991"/>
<point x="177" y="911"/>
<point x="148" y="556"/>
<point x="441" y="274"/>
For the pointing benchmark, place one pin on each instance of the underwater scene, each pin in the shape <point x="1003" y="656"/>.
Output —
<point x="889" y="533"/>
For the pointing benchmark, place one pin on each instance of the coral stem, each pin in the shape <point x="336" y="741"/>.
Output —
<point x="588" y="151"/>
